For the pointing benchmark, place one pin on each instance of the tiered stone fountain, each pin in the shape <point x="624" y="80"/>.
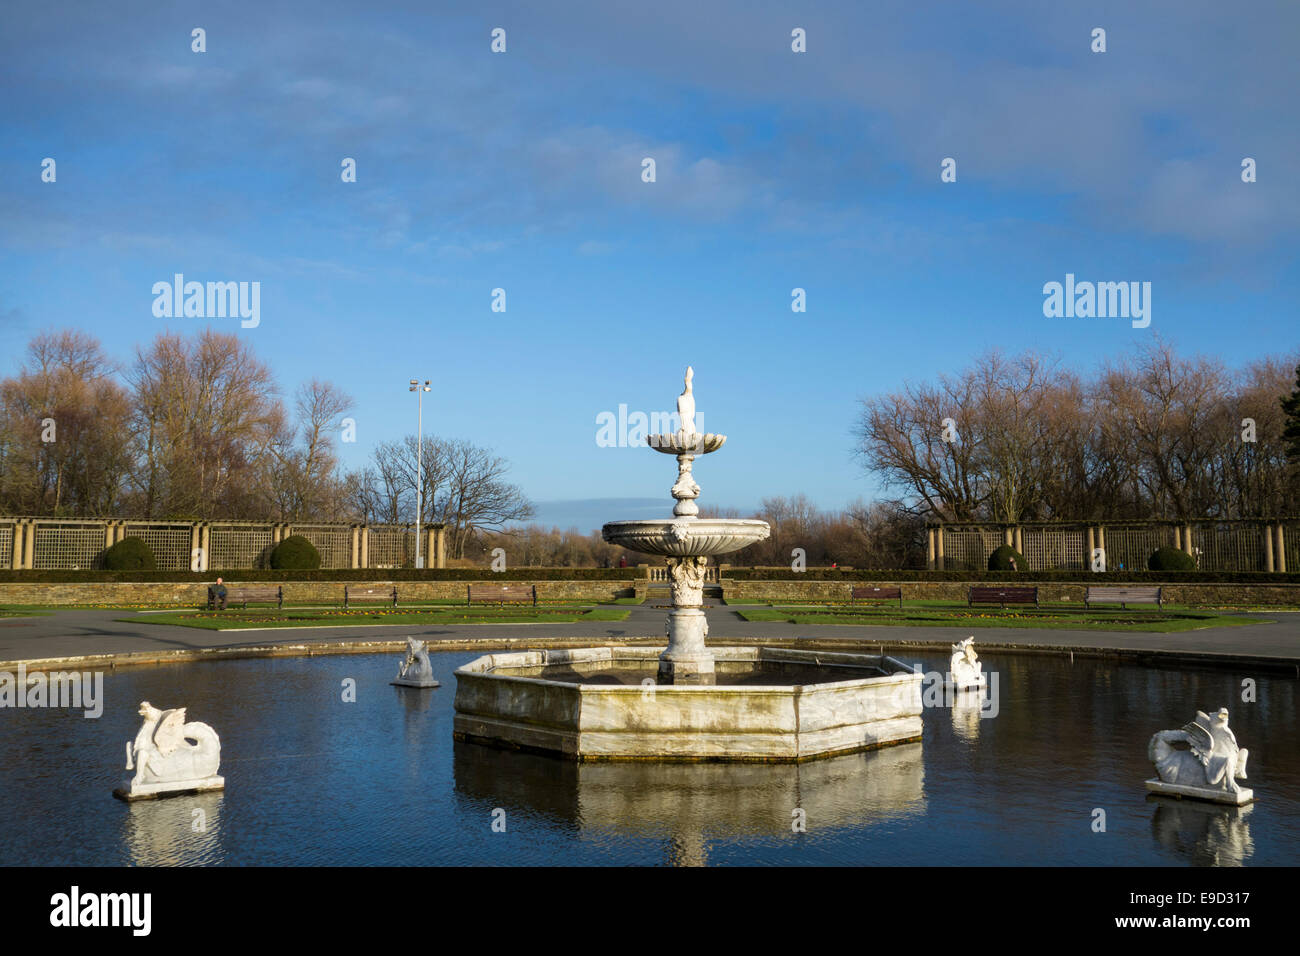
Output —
<point x="688" y="701"/>
<point x="687" y="540"/>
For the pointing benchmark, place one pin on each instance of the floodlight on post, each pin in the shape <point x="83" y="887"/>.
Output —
<point x="419" y="461"/>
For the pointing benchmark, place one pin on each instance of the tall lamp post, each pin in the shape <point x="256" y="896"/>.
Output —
<point x="419" y="462"/>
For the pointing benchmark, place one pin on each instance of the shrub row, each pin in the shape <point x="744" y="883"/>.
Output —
<point x="362" y="574"/>
<point x="1026" y="577"/>
<point x="633" y="574"/>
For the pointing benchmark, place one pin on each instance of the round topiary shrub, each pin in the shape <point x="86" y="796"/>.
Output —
<point x="295" y="553"/>
<point x="1001" y="559"/>
<point x="130" y="554"/>
<point x="1171" y="559"/>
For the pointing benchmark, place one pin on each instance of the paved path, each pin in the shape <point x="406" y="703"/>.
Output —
<point x="75" y="633"/>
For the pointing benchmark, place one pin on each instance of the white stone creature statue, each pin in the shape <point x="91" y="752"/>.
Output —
<point x="1207" y="767"/>
<point x="169" y="755"/>
<point x="964" y="669"/>
<point x="416" y="670"/>
<point x="686" y="405"/>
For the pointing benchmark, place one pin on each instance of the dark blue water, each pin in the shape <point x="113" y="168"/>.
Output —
<point x="313" y="780"/>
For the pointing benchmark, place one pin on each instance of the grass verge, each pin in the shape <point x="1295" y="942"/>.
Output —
<point x="312" y="617"/>
<point x="1056" y="619"/>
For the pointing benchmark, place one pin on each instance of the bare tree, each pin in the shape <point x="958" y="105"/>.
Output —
<point x="63" y="430"/>
<point x="302" y="463"/>
<point x="206" y="413"/>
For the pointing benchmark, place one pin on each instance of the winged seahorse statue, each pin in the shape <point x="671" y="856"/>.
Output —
<point x="416" y="670"/>
<point x="168" y="750"/>
<point x="1212" y="759"/>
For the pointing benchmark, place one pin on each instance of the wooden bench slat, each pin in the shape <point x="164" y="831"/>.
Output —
<point x="244" y="593"/>
<point x="500" y="593"/>
<point x="1002" y="595"/>
<point x="877" y="594"/>
<point x="1122" y="595"/>
<point x="388" y="594"/>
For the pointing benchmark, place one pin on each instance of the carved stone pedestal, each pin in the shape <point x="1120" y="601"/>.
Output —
<point x="687" y="660"/>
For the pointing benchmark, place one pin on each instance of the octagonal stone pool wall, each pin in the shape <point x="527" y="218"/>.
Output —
<point x="515" y="700"/>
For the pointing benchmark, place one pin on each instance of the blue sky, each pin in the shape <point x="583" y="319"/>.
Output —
<point x="775" y="170"/>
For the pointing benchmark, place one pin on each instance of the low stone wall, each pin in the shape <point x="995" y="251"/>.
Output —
<point x="531" y="701"/>
<point x="331" y="592"/>
<point x="295" y="592"/>
<point x="1048" y="592"/>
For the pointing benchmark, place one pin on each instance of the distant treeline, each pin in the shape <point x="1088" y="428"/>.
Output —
<point x="1155" y="435"/>
<point x="194" y="428"/>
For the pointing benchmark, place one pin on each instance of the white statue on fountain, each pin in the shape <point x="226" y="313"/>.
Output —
<point x="416" y="670"/>
<point x="686" y="405"/>
<point x="170" y="756"/>
<point x="1209" y="766"/>
<point x="965" y="672"/>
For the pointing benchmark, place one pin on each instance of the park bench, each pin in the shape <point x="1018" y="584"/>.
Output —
<point x="244" y="594"/>
<point x="386" y="594"/>
<point x="1124" y="596"/>
<point x="500" y="593"/>
<point x="876" y="594"/>
<point x="1002" y="596"/>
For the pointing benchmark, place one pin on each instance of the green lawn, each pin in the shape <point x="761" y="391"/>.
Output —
<point x="934" y="614"/>
<point x="19" y="611"/>
<point x="235" y="619"/>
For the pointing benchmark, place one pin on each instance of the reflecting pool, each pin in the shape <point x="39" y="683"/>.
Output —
<point x="314" y="780"/>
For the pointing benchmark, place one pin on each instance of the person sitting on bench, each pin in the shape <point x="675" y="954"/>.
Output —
<point x="219" y="596"/>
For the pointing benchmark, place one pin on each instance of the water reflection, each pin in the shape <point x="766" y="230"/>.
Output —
<point x="177" y="831"/>
<point x="688" y="804"/>
<point x="414" y="700"/>
<point x="966" y="706"/>
<point x="313" y="782"/>
<point x="1207" y="834"/>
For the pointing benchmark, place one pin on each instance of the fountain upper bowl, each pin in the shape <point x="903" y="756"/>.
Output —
<point x="686" y="443"/>
<point x="683" y="537"/>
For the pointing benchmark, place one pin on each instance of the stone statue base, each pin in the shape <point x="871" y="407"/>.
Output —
<point x="1212" y="794"/>
<point x="962" y="682"/>
<point x="414" y="682"/>
<point x="152" y="791"/>
<point x="676" y="670"/>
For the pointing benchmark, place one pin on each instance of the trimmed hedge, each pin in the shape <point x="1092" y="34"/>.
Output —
<point x="1171" y="559"/>
<point x="295" y="553"/>
<point x="1002" y="557"/>
<point x="1022" y="577"/>
<point x="360" y="574"/>
<point x="130" y="554"/>
<point x="634" y="574"/>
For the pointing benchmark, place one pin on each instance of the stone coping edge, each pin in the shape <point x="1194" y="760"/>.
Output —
<point x="482" y="646"/>
<point x="497" y="666"/>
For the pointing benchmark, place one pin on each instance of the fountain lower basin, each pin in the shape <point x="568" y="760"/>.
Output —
<point x="767" y="705"/>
